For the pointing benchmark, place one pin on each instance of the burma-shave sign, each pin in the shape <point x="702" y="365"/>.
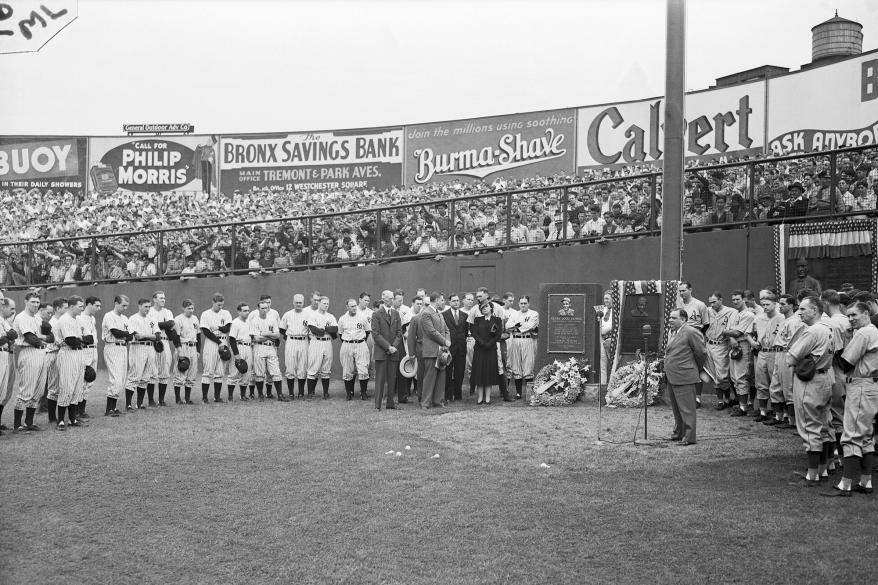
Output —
<point x="342" y="159"/>
<point x="26" y="26"/>
<point x="153" y="164"/>
<point x="517" y="145"/>
<point x="720" y="122"/>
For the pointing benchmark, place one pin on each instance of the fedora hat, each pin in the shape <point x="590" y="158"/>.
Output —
<point x="408" y="366"/>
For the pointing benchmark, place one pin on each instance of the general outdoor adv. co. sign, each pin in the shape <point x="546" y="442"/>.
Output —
<point x="726" y="122"/>
<point x="518" y="145"/>
<point x="42" y="162"/>
<point x="341" y="159"/>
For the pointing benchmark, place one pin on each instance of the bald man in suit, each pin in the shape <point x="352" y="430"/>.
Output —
<point x="685" y="355"/>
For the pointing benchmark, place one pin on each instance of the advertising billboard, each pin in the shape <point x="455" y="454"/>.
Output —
<point x="513" y="146"/>
<point x="153" y="164"/>
<point x="724" y="123"/>
<point x="341" y="159"/>
<point x="43" y="163"/>
<point x="825" y="108"/>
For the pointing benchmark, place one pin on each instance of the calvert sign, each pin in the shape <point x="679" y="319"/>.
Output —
<point x="41" y="162"/>
<point x="842" y="114"/>
<point x="518" y="145"/>
<point x="719" y="123"/>
<point x="354" y="159"/>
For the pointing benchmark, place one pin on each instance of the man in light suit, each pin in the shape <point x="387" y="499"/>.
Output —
<point x="455" y="319"/>
<point x="432" y="338"/>
<point x="684" y="360"/>
<point x="387" y="333"/>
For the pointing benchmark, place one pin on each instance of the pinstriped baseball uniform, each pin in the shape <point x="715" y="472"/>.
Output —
<point x="30" y="363"/>
<point x="213" y="368"/>
<point x="241" y="332"/>
<point x="320" y="346"/>
<point x="89" y="353"/>
<point x="265" y="361"/>
<point x="141" y="354"/>
<point x="69" y="363"/>
<point x="163" y="361"/>
<point x="188" y="329"/>
<point x="370" y="341"/>
<point x="5" y="365"/>
<point x="50" y="361"/>
<point x="523" y="343"/>
<point x="354" y="354"/>
<point x="115" y="352"/>
<point x="296" y="345"/>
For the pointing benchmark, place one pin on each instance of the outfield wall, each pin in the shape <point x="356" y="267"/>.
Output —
<point x="715" y="260"/>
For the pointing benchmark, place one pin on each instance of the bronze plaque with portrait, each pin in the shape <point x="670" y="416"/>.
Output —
<point x="640" y="310"/>
<point x="566" y="323"/>
<point x="568" y="326"/>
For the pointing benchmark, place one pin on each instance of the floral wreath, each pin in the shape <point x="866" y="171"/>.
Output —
<point x="559" y="383"/>
<point x="625" y="388"/>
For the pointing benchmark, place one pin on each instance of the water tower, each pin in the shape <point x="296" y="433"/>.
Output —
<point x="834" y="39"/>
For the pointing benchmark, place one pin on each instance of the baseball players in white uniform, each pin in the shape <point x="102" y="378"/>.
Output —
<point x="522" y="326"/>
<point x="469" y="300"/>
<point x="164" y="361"/>
<point x="265" y="332"/>
<point x="781" y="389"/>
<point x="70" y="363"/>
<point x="31" y="372"/>
<point x="294" y="327"/>
<point x="241" y="345"/>
<point x="354" y="354"/>
<point x="114" y="332"/>
<point x="215" y="324"/>
<point x="364" y="305"/>
<point x="55" y="311"/>
<point x="718" y="349"/>
<point x="7" y="342"/>
<point x="323" y="328"/>
<point x="187" y="329"/>
<point x="89" y="356"/>
<point x="141" y="353"/>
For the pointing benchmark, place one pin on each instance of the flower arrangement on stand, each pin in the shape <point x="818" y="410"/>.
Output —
<point x="559" y="383"/>
<point x="625" y="388"/>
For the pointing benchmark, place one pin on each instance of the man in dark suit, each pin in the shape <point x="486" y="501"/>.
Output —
<point x="387" y="333"/>
<point x="432" y="337"/>
<point x="684" y="360"/>
<point x="455" y="320"/>
<point x="414" y="342"/>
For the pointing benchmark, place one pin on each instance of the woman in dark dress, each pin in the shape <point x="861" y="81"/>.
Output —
<point x="486" y="331"/>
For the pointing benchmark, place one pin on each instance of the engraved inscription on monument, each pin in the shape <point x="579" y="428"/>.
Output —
<point x="566" y="323"/>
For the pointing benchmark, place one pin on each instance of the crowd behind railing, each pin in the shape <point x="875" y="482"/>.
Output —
<point x="57" y="238"/>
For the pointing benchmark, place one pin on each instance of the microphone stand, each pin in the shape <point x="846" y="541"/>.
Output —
<point x="647" y="332"/>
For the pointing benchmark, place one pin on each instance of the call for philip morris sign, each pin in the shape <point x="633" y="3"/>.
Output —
<point x="517" y="145"/>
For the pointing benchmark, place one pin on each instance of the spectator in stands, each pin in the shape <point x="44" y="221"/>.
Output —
<point x="720" y="213"/>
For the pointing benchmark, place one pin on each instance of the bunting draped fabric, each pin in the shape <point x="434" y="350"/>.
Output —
<point x="619" y="289"/>
<point x="830" y="239"/>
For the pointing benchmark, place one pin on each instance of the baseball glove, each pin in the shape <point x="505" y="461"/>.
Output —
<point x="12" y="334"/>
<point x="158" y="346"/>
<point x="736" y="353"/>
<point x="90" y="374"/>
<point x="183" y="364"/>
<point x="225" y="353"/>
<point x="242" y="366"/>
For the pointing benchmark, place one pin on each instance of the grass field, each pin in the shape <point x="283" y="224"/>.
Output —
<point x="305" y="493"/>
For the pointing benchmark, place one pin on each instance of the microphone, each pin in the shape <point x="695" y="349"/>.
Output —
<point x="646" y="331"/>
